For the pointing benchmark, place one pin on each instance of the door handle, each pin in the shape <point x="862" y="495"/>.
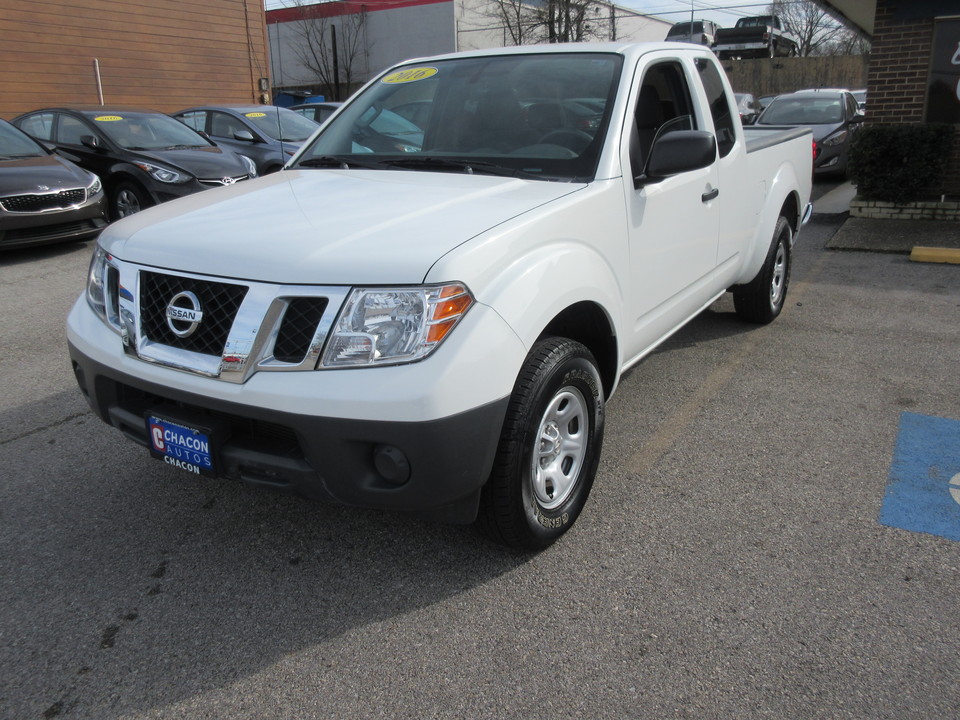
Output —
<point x="708" y="196"/>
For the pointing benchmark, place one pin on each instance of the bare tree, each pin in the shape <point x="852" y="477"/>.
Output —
<point x="817" y="31"/>
<point x="569" y="20"/>
<point x="528" y="21"/>
<point x="332" y="47"/>
<point x="521" y="24"/>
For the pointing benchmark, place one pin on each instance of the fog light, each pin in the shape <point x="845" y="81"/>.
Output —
<point x="392" y="464"/>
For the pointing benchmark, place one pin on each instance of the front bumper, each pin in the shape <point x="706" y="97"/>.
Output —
<point x="27" y="229"/>
<point x="419" y="437"/>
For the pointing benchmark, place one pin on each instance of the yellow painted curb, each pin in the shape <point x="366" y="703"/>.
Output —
<point x="935" y="255"/>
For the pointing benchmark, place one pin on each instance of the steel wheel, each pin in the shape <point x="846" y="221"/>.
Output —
<point x="779" y="275"/>
<point x="761" y="299"/>
<point x="549" y="447"/>
<point x="562" y="447"/>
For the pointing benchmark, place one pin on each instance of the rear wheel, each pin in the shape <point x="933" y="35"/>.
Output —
<point x="761" y="300"/>
<point x="549" y="448"/>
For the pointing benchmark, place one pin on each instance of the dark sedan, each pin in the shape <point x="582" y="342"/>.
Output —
<point x="44" y="198"/>
<point x="143" y="157"/>
<point x="268" y="134"/>
<point x="834" y="117"/>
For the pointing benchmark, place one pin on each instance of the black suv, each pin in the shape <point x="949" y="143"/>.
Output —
<point x="143" y="157"/>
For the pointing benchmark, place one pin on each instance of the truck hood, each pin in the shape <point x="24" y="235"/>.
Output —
<point x="326" y="226"/>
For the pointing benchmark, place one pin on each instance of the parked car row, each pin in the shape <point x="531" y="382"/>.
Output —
<point x="66" y="171"/>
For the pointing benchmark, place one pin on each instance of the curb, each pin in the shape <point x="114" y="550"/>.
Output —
<point x="935" y="255"/>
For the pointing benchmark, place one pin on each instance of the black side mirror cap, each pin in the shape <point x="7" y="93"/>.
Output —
<point x="91" y="141"/>
<point x="678" y="152"/>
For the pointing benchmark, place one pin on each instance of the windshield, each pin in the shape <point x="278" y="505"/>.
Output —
<point x="537" y="115"/>
<point x="803" y="111"/>
<point x="142" y="131"/>
<point x="684" y="29"/>
<point x="16" y="144"/>
<point x="282" y="124"/>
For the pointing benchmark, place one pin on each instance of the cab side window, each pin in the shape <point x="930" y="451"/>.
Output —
<point x="663" y="105"/>
<point x="196" y="120"/>
<point x="39" y="126"/>
<point x="719" y="105"/>
<point x="225" y="126"/>
<point x="70" y="130"/>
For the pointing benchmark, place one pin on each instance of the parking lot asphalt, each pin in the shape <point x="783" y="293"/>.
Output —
<point x="736" y="558"/>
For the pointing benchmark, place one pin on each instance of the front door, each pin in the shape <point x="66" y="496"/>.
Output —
<point x="673" y="223"/>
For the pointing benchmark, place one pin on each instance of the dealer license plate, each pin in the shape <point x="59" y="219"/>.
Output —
<point x="180" y="445"/>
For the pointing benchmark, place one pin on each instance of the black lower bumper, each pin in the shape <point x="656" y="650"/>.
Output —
<point x="434" y="468"/>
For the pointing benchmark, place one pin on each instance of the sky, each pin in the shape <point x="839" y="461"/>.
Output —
<point x="724" y="12"/>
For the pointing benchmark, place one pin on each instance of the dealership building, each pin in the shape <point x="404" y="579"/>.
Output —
<point x="914" y="74"/>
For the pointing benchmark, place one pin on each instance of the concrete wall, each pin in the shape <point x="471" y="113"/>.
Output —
<point x="400" y="29"/>
<point x="782" y="75"/>
<point x="393" y="31"/>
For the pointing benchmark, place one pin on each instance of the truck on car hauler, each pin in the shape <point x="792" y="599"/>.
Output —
<point x="429" y="316"/>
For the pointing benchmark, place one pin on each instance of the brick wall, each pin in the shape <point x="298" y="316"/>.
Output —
<point x="159" y="54"/>
<point x="898" y="74"/>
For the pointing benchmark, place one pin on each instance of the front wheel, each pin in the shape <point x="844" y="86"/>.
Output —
<point x="126" y="199"/>
<point x="761" y="300"/>
<point x="549" y="448"/>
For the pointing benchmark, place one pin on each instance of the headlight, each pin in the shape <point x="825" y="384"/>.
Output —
<point x="386" y="326"/>
<point x="836" y="139"/>
<point x="97" y="282"/>
<point x="95" y="187"/>
<point x="251" y="165"/>
<point x="165" y="175"/>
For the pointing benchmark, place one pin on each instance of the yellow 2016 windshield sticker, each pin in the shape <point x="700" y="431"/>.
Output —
<point x="410" y="75"/>
<point x="108" y="118"/>
<point x="255" y="114"/>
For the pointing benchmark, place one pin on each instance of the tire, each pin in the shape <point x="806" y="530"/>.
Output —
<point x="549" y="448"/>
<point x="761" y="300"/>
<point x="127" y="198"/>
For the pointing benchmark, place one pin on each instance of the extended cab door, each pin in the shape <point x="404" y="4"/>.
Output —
<point x="673" y="223"/>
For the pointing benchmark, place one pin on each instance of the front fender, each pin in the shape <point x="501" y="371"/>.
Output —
<point x="531" y="269"/>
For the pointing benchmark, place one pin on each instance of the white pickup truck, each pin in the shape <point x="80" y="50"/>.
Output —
<point x="428" y="308"/>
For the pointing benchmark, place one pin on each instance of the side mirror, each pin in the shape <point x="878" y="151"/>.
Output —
<point x="244" y="135"/>
<point x="678" y="152"/>
<point x="91" y="141"/>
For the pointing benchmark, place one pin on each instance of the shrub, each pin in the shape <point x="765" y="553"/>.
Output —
<point x="900" y="163"/>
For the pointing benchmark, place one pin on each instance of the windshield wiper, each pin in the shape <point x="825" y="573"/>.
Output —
<point x="468" y="166"/>
<point x="340" y="161"/>
<point x="184" y="147"/>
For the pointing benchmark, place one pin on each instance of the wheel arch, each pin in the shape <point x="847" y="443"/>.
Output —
<point x="587" y="323"/>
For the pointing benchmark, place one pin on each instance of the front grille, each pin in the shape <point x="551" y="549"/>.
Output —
<point x="43" y="201"/>
<point x="219" y="303"/>
<point x="298" y="328"/>
<point x="217" y="182"/>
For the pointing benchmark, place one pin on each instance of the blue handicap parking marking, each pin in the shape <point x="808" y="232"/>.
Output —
<point x="923" y="494"/>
